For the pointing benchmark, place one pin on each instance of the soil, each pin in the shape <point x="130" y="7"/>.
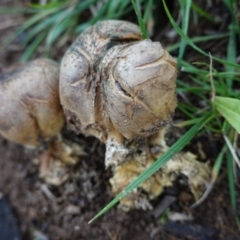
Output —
<point x="62" y="213"/>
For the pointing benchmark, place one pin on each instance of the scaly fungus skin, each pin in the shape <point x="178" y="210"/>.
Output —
<point x="138" y="82"/>
<point x="30" y="111"/>
<point x="79" y="78"/>
<point x="117" y="87"/>
<point x="31" y="115"/>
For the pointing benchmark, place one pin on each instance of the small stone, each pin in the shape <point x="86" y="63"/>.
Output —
<point x="72" y="210"/>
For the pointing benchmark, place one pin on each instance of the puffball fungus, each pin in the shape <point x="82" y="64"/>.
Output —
<point x="30" y="111"/>
<point x="117" y="87"/>
<point x="138" y="82"/>
<point x="31" y="115"/>
<point x="80" y="91"/>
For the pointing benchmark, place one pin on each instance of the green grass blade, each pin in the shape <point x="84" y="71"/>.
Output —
<point x="231" y="185"/>
<point x="178" y="146"/>
<point x="199" y="39"/>
<point x="100" y="15"/>
<point x="201" y="12"/>
<point x="182" y="108"/>
<point x="64" y="21"/>
<point x="147" y="11"/>
<point x="233" y="8"/>
<point x="122" y="7"/>
<point x="140" y="19"/>
<point x="50" y="5"/>
<point x="54" y="20"/>
<point x="228" y="4"/>
<point x="113" y="6"/>
<point x="45" y="18"/>
<point x="185" y="10"/>
<point x="14" y="10"/>
<point x="218" y="163"/>
<point x="189" y="68"/>
<point x="57" y="31"/>
<point x="41" y="26"/>
<point x="231" y="55"/>
<point x="33" y="46"/>
<point x="188" y="122"/>
<point x="37" y="18"/>
<point x="189" y="41"/>
<point x="164" y="217"/>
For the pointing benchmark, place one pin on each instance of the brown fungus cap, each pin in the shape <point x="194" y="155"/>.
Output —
<point x="139" y="88"/>
<point x="30" y="109"/>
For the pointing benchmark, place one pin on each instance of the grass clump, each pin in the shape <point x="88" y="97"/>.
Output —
<point x="56" y="22"/>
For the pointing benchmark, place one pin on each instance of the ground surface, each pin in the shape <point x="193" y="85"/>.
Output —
<point x="54" y="213"/>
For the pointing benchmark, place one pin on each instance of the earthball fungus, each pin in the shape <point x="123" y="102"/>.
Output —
<point x="31" y="115"/>
<point x="112" y="85"/>
<point x="30" y="111"/>
<point x="117" y="87"/>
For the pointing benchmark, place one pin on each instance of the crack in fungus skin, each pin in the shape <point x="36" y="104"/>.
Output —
<point x="142" y="99"/>
<point x="122" y="90"/>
